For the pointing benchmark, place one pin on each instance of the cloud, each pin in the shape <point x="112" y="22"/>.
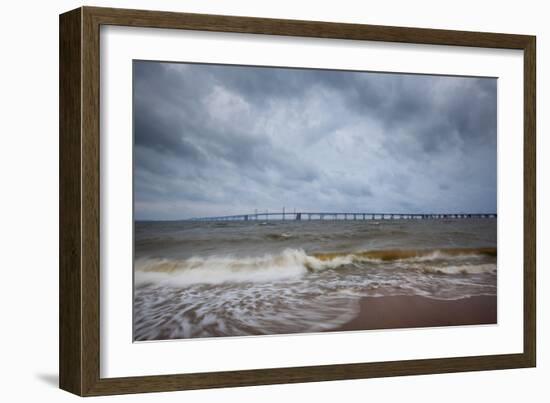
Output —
<point x="216" y="140"/>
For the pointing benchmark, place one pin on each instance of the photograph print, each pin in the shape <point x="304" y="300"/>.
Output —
<point x="274" y="200"/>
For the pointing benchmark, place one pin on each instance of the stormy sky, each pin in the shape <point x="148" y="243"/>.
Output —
<point x="221" y="140"/>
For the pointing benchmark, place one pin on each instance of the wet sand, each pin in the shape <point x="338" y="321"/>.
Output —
<point x="415" y="311"/>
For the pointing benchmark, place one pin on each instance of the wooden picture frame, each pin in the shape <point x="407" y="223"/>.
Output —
<point x="79" y="347"/>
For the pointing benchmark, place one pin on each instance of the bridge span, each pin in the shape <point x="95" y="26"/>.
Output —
<point x="331" y="216"/>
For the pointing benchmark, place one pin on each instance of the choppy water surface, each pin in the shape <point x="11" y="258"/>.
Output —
<point x="204" y="279"/>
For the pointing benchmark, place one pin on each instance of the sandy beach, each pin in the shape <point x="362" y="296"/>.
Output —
<point x="415" y="311"/>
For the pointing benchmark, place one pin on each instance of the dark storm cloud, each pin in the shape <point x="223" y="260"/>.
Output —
<point x="213" y="140"/>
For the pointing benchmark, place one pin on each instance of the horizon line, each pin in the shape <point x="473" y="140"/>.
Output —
<point x="383" y="215"/>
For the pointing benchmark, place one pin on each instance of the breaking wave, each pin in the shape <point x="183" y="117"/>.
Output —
<point x="413" y="254"/>
<point x="295" y="263"/>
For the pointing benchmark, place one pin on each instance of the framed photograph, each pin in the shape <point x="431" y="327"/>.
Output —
<point x="249" y="201"/>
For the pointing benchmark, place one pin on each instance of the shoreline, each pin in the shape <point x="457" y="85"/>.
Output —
<point x="398" y="312"/>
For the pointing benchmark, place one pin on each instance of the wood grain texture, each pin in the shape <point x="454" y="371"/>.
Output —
<point x="316" y="29"/>
<point x="90" y="202"/>
<point x="80" y="200"/>
<point x="530" y="202"/>
<point x="70" y="274"/>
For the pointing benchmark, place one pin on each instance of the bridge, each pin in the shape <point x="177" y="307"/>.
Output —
<point x="308" y="216"/>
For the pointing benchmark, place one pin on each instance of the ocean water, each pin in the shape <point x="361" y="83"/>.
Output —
<point x="206" y="279"/>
